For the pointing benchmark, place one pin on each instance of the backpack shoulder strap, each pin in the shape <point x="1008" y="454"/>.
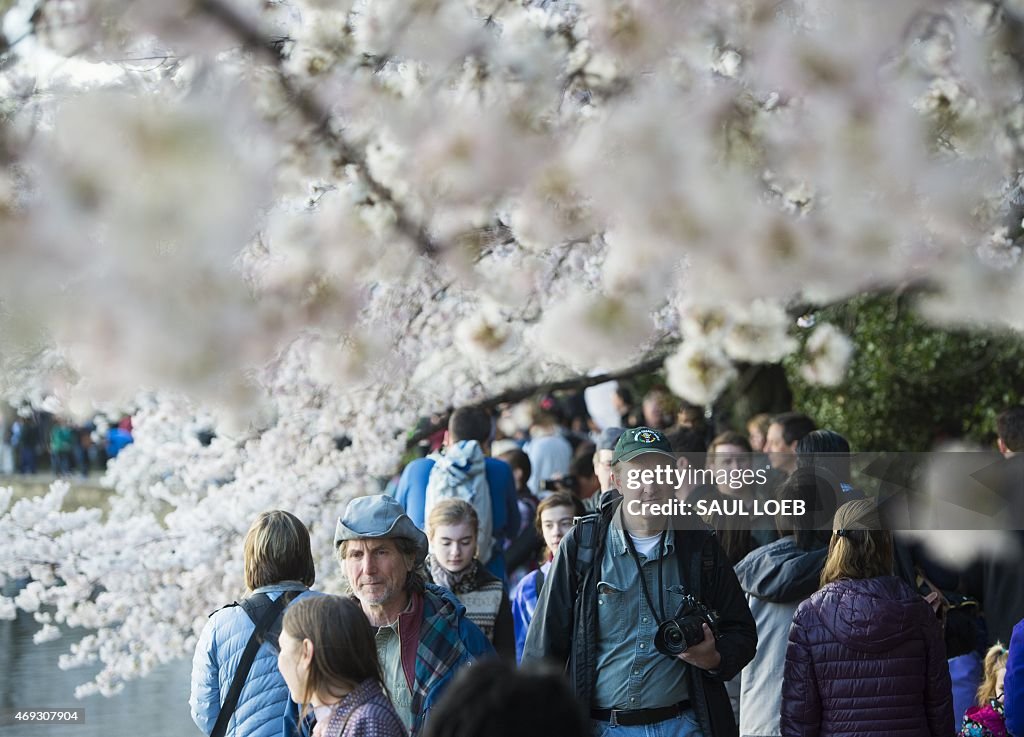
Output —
<point x="269" y="613"/>
<point x="702" y="564"/>
<point x="226" y="606"/>
<point x="255" y="606"/>
<point x="586" y="541"/>
<point x="707" y="557"/>
<point x="590" y="532"/>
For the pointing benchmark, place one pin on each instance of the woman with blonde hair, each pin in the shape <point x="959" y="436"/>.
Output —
<point x="865" y="654"/>
<point x="452" y="563"/>
<point x="329" y="662"/>
<point x="236" y="688"/>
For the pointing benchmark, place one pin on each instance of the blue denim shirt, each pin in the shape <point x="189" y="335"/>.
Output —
<point x="631" y="674"/>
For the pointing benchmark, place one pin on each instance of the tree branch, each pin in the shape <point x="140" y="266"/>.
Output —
<point x="651" y="363"/>
<point x="319" y="117"/>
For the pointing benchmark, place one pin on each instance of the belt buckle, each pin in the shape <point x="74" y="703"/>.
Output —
<point x="615" y="718"/>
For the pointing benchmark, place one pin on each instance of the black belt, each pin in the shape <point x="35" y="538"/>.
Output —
<point x="637" y="717"/>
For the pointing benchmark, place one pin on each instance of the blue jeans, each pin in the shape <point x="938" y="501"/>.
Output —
<point x="683" y="725"/>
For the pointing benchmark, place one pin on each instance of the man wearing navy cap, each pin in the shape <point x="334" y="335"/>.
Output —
<point x="618" y="581"/>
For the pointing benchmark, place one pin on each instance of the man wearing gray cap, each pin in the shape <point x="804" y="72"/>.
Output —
<point x="604" y="447"/>
<point x="423" y="634"/>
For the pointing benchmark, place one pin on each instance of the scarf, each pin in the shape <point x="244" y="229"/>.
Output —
<point x="482" y="601"/>
<point x="461" y="582"/>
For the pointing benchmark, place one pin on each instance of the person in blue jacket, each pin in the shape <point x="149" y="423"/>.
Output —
<point x="278" y="562"/>
<point x="1013" y="684"/>
<point x="555" y="516"/>
<point x="422" y="633"/>
<point x="468" y="424"/>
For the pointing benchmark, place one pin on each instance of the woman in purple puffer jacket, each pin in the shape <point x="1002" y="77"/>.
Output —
<point x="865" y="654"/>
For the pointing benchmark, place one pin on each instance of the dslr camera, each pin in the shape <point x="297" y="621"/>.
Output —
<point x="561" y="483"/>
<point x="685" y="629"/>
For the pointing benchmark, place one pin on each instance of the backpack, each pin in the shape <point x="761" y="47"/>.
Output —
<point x="266" y="615"/>
<point x="461" y="473"/>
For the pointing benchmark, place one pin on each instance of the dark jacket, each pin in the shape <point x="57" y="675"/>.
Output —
<point x="565" y="623"/>
<point x="525" y="547"/>
<point x="865" y="657"/>
<point x="998" y="583"/>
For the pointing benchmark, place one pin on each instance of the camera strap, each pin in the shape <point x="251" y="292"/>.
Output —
<point x="640" y="572"/>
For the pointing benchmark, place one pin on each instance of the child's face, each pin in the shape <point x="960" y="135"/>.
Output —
<point x="293" y="661"/>
<point x="1000" y="675"/>
<point x="454" y="545"/>
<point x="555" y="522"/>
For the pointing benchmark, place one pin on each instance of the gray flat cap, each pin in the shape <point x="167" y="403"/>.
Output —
<point x="379" y="517"/>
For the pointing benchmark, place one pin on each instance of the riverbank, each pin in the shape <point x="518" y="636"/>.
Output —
<point x="84" y="492"/>
<point x="31" y="679"/>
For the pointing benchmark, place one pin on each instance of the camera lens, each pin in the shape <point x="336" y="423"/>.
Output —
<point x="669" y="639"/>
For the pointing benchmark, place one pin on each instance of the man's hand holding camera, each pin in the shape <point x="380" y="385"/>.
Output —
<point x="704" y="654"/>
<point x="690" y="636"/>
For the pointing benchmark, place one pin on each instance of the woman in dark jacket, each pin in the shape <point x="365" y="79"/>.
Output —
<point x="865" y="654"/>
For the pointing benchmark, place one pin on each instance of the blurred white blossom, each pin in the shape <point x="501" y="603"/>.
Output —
<point x="828" y="353"/>
<point x="759" y="334"/>
<point x="483" y="333"/>
<point x="698" y="372"/>
<point x="46" y="633"/>
<point x="587" y="329"/>
<point x="999" y="251"/>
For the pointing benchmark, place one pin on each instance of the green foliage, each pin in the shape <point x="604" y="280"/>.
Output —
<point x="910" y="383"/>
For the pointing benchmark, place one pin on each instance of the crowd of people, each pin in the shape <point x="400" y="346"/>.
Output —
<point x="33" y="442"/>
<point x="522" y="581"/>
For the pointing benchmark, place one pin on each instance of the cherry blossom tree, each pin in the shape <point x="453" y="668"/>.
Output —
<point x="294" y="220"/>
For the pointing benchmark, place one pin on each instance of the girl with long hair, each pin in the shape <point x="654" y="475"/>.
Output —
<point x="329" y="661"/>
<point x="987" y="719"/>
<point x="452" y="564"/>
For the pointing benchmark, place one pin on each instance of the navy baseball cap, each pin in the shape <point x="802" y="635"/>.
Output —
<point x="640" y="440"/>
